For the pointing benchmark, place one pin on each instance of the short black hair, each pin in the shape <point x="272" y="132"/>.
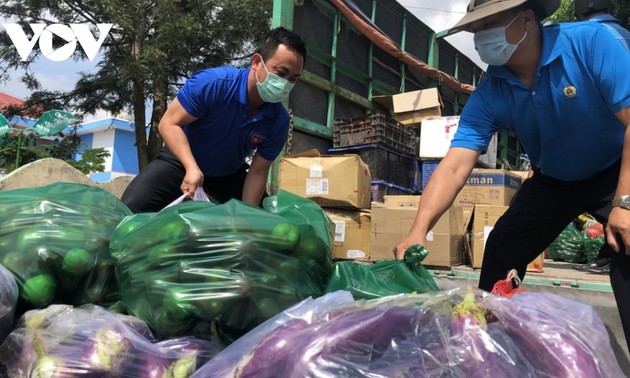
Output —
<point x="281" y="36"/>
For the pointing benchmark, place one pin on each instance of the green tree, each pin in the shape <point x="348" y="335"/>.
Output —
<point x="621" y="10"/>
<point x="154" y="46"/>
<point x="63" y="147"/>
<point x="66" y="145"/>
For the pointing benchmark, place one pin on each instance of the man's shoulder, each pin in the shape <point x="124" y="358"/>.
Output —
<point x="224" y="72"/>
<point x="575" y="32"/>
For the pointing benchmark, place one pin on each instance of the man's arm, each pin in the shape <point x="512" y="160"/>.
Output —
<point x="256" y="180"/>
<point x="619" y="219"/>
<point x="171" y="124"/>
<point x="447" y="180"/>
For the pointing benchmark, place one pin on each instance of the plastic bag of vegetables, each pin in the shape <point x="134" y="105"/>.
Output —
<point x="569" y="246"/>
<point x="89" y="341"/>
<point x="234" y="264"/>
<point x="55" y="240"/>
<point x="444" y="334"/>
<point x="8" y="301"/>
<point x="383" y="278"/>
<point x="560" y="336"/>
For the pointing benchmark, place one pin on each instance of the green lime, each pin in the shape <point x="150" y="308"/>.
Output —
<point x="77" y="261"/>
<point x="39" y="290"/>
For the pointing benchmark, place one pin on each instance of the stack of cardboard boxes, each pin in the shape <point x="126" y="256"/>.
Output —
<point x="369" y="230"/>
<point x="341" y="185"/>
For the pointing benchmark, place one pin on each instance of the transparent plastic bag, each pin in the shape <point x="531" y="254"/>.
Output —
<point x="444" y="334"/>
<point x="8" y="301"/>
<point x="55" y="241"/>
<point x="89" y="341"/>
<point x="560" y="336"/>
<point x="200" y="195"/>
<point x="233" y="263"/>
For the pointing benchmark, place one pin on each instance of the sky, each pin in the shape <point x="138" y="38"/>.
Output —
<point x="441" y="15"/>
<point x="62" y="75"/>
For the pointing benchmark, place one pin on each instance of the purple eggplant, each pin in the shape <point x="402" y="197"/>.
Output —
<point x="474" y="351"/>
<point x="565" y="338"/>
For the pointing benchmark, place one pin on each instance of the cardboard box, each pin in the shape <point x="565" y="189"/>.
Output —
<point x="489" y="187"/>
<point x="401" y="201"/>
<point x="411" y="108"/>
<point x="352" y="233"/>
<point x="484" y="219"/>
<point x="330" y="181"/>
<point x="445" y="242"/>
<point x="524" y="175"/>
<point x="437" y="133"/>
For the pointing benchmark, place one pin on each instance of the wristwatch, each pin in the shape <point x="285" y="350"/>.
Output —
<point x="623" y="202"/>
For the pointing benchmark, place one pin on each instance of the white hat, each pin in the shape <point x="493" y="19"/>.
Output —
<point x="478" y="9"/>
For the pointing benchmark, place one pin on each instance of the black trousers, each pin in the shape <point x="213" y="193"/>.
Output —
<point x="542" y="208"/>
<point x="158" y="184"/>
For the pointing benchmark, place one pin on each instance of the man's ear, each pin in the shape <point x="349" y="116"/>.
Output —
<point x="256" y="60"/>
<point x="529" y="18"/>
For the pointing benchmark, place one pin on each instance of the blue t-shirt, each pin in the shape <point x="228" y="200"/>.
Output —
<point x="623" y="35"/>
<point x="566" y="122"/>
<point x="222" y="136"/>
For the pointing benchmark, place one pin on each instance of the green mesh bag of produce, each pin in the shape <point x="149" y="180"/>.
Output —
<point x="234" y="264"/>
<point x="569" y="246"/>
<point x="592" y="247"/>
<point x="55" y="241"/>
<point x="383" y="278"/>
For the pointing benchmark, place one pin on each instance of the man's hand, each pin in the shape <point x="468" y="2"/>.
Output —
<point x="408" y="241"/>
<point x="192" y="180"/>
<point x="618" y="230"/>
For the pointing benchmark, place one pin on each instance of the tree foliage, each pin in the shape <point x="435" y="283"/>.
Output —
<point x="621" y="10"/>
<point x="154" y="46"/>
<point x="63" y="147"/>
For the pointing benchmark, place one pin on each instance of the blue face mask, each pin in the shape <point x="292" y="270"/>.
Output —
<point x="274" y="89"/>
<point x="493" y="47"/>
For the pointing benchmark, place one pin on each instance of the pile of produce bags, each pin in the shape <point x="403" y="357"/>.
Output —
<point x="459" y="333"/>
<point x="234" y="263"/>
<point x="90" y="341"/>
<point x="55" y="241"/>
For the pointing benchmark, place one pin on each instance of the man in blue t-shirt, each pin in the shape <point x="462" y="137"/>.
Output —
<point x="220" y="118"/>
<point x="599" y="11"/>
<point x="564" y="90"/>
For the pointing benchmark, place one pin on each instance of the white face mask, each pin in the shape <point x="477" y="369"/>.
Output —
<point x="493" y="47"/>
<point x="274" y="88"/>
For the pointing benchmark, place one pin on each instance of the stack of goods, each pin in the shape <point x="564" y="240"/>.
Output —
<point x="387" y="146"/>
<point x="341" y="185"/>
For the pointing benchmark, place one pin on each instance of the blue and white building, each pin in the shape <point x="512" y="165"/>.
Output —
<point x="115" y="135"/>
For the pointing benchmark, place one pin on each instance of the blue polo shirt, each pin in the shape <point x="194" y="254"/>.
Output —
<point x="566" y="122"/>
<point x="623" y="35"/>
<point x="222" y="136"/>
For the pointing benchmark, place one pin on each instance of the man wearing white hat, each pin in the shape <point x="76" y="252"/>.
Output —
<point x="565" y="91"/>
